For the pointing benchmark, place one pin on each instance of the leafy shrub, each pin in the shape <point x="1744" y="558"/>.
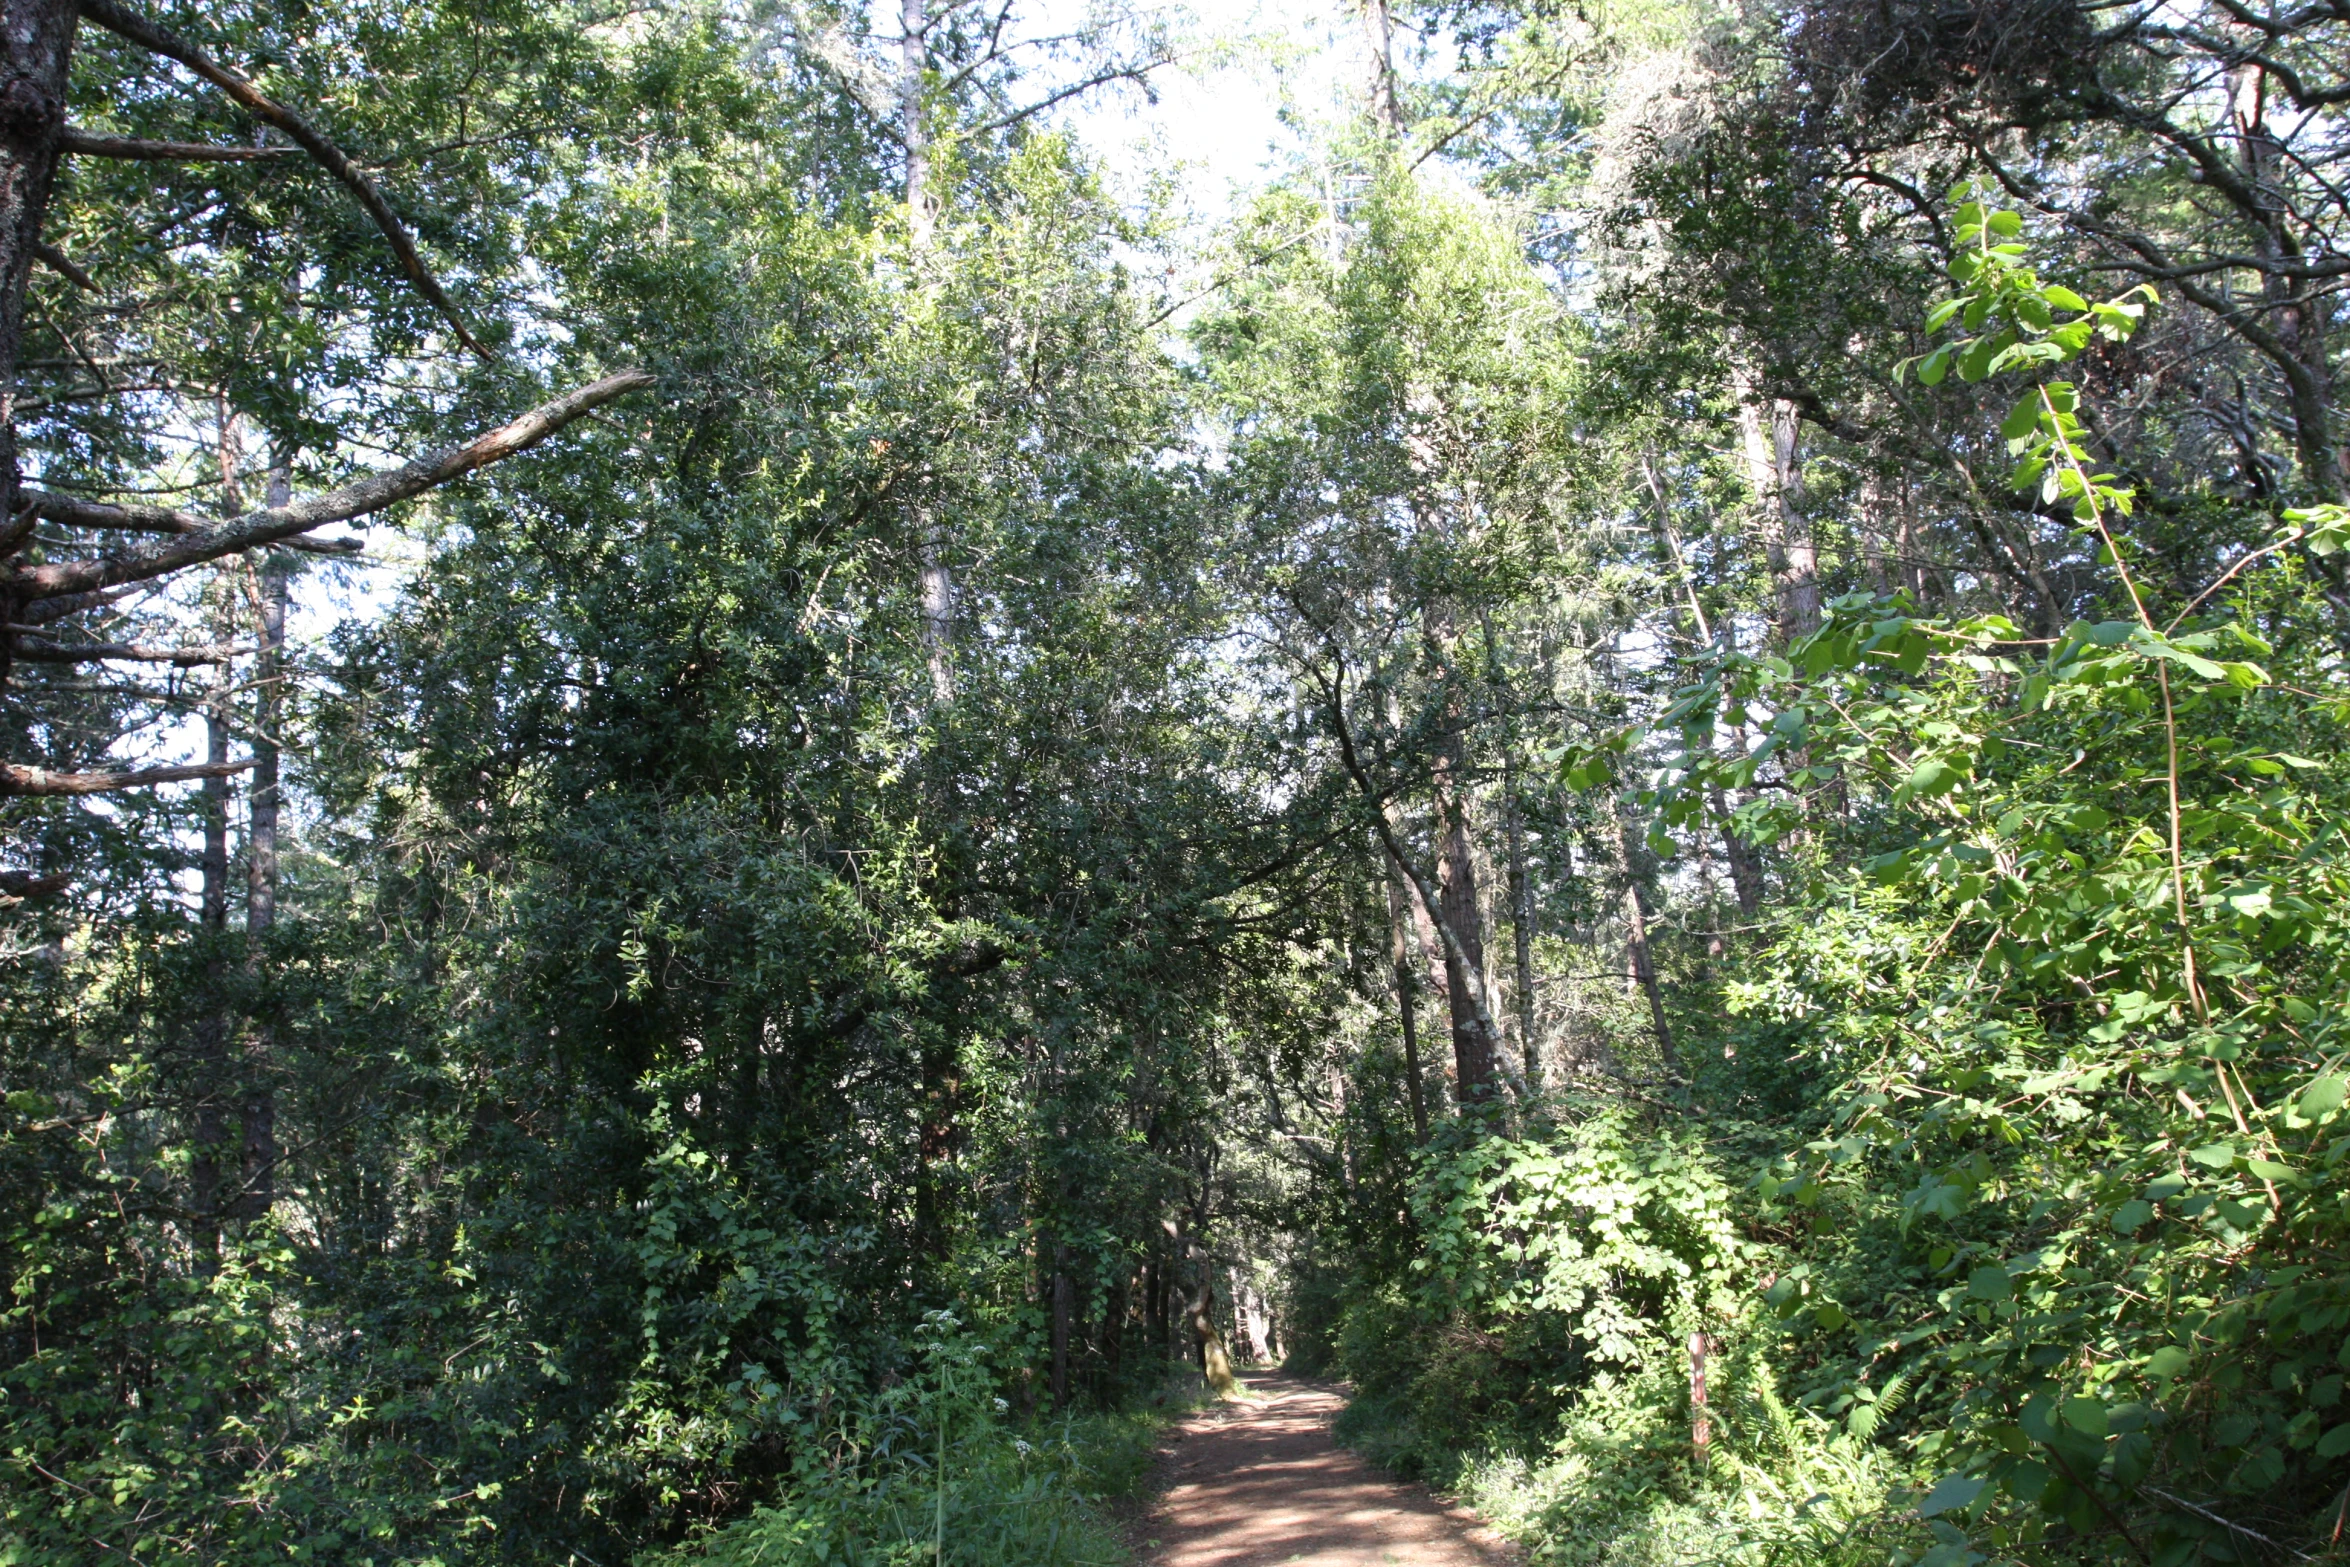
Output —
<point x="1010" y="1499"/>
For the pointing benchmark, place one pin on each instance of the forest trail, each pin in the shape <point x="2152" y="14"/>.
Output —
<point x="1262" y="1483"/>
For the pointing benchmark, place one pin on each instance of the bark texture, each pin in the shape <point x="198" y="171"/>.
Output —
<point x="37" y="36"/>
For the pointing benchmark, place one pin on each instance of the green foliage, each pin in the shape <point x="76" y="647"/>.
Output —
<point x="1616" y="1233"/>
<point x="935" y="1460"/>
<point x="2096" y="1113"/>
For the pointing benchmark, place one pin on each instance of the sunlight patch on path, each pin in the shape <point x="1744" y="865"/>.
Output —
<point x="1260" y="1483"/>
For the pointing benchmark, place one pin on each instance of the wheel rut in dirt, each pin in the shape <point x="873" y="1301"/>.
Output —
<point x="1262" y="1483"/>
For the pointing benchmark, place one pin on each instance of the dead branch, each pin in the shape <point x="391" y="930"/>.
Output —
<point x="274" y="524"/>
<point x="20" y="780"/>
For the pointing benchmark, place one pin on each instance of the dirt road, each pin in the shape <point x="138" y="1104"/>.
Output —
<point x="1260" y="1483"/>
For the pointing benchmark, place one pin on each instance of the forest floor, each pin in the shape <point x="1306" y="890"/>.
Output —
<point x="1260" y="1482"/>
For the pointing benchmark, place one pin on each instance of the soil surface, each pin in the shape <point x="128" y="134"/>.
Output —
<point x="1260" y="1483"/>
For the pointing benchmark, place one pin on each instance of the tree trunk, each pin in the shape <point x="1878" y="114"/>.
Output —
<point x="1114" y="1314"/>
<point x="212" y="1027"/>
<point x="1379" y="43"/>
<point x="1642" y="962"/>
<point x="1521" y="924"/>
<point x="1064" y="1316"/>
<point x="1154" y="1307"/>
<point x="942" y="1088"/>
<point x="1407" y="1006"/>
<point x="38" y="38"/>
<point x="259" y="1190"/>
<point x="1214" y="1363"/>
<point x="2296" y="310"/>
<point x="1473" y="1050"/>
<point x="913" y="123"/>
<point x="1244" y="1341"/>
<point x="1745" y="864"/>
<point x="1767" y="429"/>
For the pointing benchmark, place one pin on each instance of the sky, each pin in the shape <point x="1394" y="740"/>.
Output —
<point x="1218" y="125"/>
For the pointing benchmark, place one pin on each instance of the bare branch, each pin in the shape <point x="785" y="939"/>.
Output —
<point x="1137" y="74"/>
<point x="58" y="262"/>
<point x="91" y="145"/>
<point x="19" y="780"/>
<point x="43" y="651"/>
<point x="134" y="518"/>
<point x="172" y="47"/>
<point x="274" y="524"/>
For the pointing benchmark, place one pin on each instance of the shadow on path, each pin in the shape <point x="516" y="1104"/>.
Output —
<point x="1261" y="1483"/>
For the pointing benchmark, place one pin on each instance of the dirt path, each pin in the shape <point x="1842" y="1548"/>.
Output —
<point x="1260" y="1483"/>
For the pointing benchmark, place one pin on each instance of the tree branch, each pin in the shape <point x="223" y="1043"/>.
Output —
<point x="58" y="262"/>
<point x="45" y="651"/>
<point x="1137" y="74"/>
<point x="17" y="780"/>
<point x="172" y="47"/>
<point x="91" y="145"/>
<point x="371" y="494"/>
<point x="136" y="518"/>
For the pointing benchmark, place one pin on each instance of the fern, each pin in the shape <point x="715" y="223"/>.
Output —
<point x="1866" y="1418"/>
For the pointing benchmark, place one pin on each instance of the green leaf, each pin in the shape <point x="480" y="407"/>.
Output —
<point x="1990" y="1283"/>
<point x="1935" y="366"/>
<point x="2022" y="419"/>
<point x="2323" y="1096"/>
<point x="1930" y="778"/>
<point x="2155" y="645"/>
<point x="1950" y="1493"/>
<point x="2086" y="1415"/>
<point x="2007" y="225"/>
<point x="2334" y="1443"/>
<point x="1975" y="363"/>
<point x="2214" y="1156"/>
<point x="2166" y="1362"/>
<point x="2131" y="1216"/>
<point x="2063" y="298"/>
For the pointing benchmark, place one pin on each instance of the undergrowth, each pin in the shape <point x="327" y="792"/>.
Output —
<point x="1613" y="1481"/>
<point x="1032" y="1494"/>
